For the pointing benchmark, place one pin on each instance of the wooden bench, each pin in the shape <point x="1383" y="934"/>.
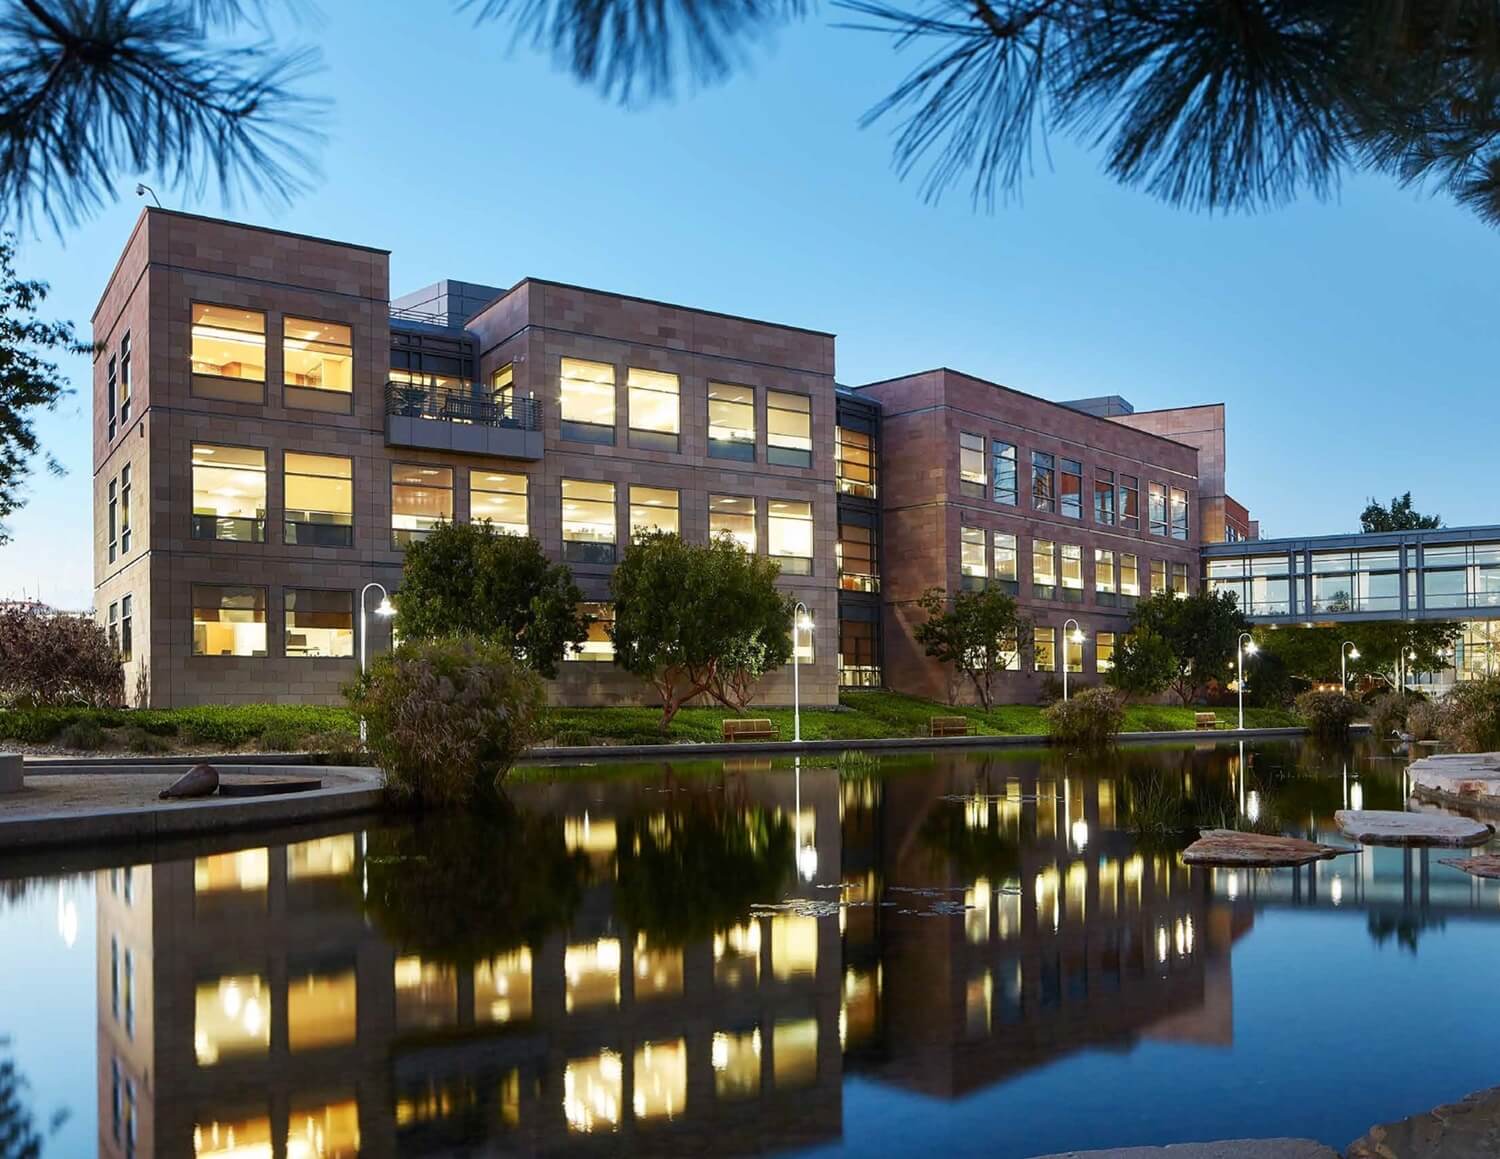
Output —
<point x="948" y="726"/>
<point x="1202" y="720"/>
<point x="749" y="728"/>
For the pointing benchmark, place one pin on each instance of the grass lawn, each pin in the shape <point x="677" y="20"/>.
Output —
<point x="284" y="728"/>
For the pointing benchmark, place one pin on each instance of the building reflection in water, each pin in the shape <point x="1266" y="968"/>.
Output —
<point x="999" y="914"/>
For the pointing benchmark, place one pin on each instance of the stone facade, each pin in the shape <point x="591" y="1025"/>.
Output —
<point x="1220" y="518"/>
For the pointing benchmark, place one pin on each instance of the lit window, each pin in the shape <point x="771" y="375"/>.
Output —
<point x="321" y="1010"/>
<point x="655" y="418"/>
<point x="598" y="644"/>
<point x="421" y="498"/>
<point x="1044" y="649"/>
<point x="858" y="565"/>
<point x="588" y="401"/>
<point x="794" y="946"/>
<point x="794" y="1053"/>
<point x="973" y="570"/>
<point x="789" y="535"/>
<point x="788" y="429"/>
<point x="1180" y="578"/>
<point x="319" y="500"/>
<point x="1179" y="511"/>
<point x="593" y="1091"/>
<point x="248" y="1138"/>
<point x="736" y="1063"/>
<point x="1073" y="649"/>
<point x="319" y="623"/>
<point x="1104" y="652"/>
<point x="591" y="972"/>
<point x="502" y="988"/>
<point x="1104" y="497"/>
<point x="737" y="956"/>
<point x="859" y="654"/>
<point x="734" y="515"/>
<point x="228" y="353"/>
<point x="1003" y="565"/>
<point x="1130" y="575"/>
<point x="229" y="621"/>
<point x="653" y="509"/>
<point x="658" y="969"/>
<point x="731" y="422"/>
<point x="855" y="455"/>
<point x="322" y="1132"/>
<point x="500" y="499"/>
<point x="1158" y="576"/>
<point x="1130" y="502"/>
<point x="232" y="1018"/>
<point x="660" y="1086"/>
<point x="1072" y="573"/>
<point x="971" y="464"/>
<point x="229" y="493"/>
<point x="1157" y="508"/>
<point x="1104" y="576"/>
<point x="1071" y="474"/>
<point x="1044" y="569"/>
<point x="317" y="365"/>
<point x="588" y="521"/>
<point x="322" y="857"/>
<point x="1043" y="482"/>
<point x="426" y="994"/>
<point x="244" y="871"/>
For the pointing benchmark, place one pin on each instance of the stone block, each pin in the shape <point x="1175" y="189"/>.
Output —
<point x="11" y="780"/>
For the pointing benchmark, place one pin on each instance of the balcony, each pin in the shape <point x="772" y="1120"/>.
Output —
<point x="467" y="420"/>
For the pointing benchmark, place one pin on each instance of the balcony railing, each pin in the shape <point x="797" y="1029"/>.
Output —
<point x="473" y="421"/>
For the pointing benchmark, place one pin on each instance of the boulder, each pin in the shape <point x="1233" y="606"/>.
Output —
<point x="1468" y="1129"/>
<point x="1233" y="849"/>
<point x="12" y="768"/>
<point x="1480" y="865"/>
<point x="1391" y="827"/>
<point x="202" y="780"/>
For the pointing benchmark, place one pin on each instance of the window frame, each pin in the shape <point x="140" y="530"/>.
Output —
<point x="214" y="386"/>
<point x="402" y="537"/>
<point x="1004" y="464"/>
<point x="632" y="506"/>
<point x="792" y="564"/>
<point x="781" y="454"/>
<point x="1156" y="502"/>
<point x="972" y="480"/>
<point x="754" y="546"/>
<point x="586" y="430"/>
<point x="1043" y="481"/>
<point x="1128" y="504"/>
<point x="525" y="494"/>
<point x="265" y="607"/>
<point x="1040" y="589"/>
<point x="648" y="438"/>
<point x="287" y="598"/>
<point x="316" y="396"/>
<point x="596" y="552"/>
<point x="291" y="534"/>
<point x="260" y="523"/>
<point x="733" y="450"/>
<point x="1070" y="502"/>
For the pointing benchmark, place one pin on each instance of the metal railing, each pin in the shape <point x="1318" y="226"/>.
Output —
<point x="476" y="405"/>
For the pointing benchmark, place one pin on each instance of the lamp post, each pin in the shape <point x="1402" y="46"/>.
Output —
<point x="1245" y="645"/>
<point x="1076" y="638"/>
<point x="382" y="609"/>
<point x="1347" y="652"/>
<point x="801" y="622"/>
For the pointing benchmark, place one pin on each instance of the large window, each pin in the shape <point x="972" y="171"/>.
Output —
<point x="587" y="393"/>
<point x="1104" y="651"/>
<point x="1130" y="502"/>
<point x="111" y="385"/>
<point x="655" y="411"/>
<point x="789" y="532"/>
<point x="859" y="569"/>
<point x="1158" y="576"/>
<point x="1043" y="569"/>
<point x="421" y="498"/>
<point x="1180" y="579"/>
<point x="125" y="387"/>
<point x="1130" y="576"/>
<point x="1073" y="649"/>
<point x="1043" y="482"/>
<point x="735" y="515"/>
<point x="1003" y="562"/>
<point x="598" y="644"/>
<point x="317" y="365"/>
<point x="114" y="519"/>
<point x="1072" y="573"/>
<point x="971" y="464"/>
<point x="731" y="422"/>
<point x="1262" y="585"/>
<point x="127" y="628"/>
<point x="229" y="621"/>
<point x="1456" y="576"/>
<point x="588" y="521"/>
<point x="229" y="493"/>
<point x="973" y="568"/>
<point x="1104" y="577"/>
<point x="1104" y="497"/>
<point x="859" y="654"/>
<point x="1044" y="649"/>
<point x="319" y="500"/>
<point x="125" y="509"/>
<point x="1158" y="508"/>
<point x="228" y="353"/>
<point x="319" y="623"/>
<point x="1179" y="513"/>
<point x="1003" y="472"/>
<point x="855" y="452"/>
<point x="501" y="499"/>
<point x="232" y="1019"/>
<point x="788" y="429"/>
<point x="1071" y="475"/>
<point x="653" y="509"/>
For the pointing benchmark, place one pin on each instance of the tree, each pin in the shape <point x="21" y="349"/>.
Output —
<point x="1385" y="647"/>
<point x="29" y="382"/>
<point x="56" y="660"/>
<point x="1144" y="664"/>
<point x="470" y="578"/>
<point x="685" y="615"/>
<point x="1399" y="516"/>
<point x="980" y="634"/>
<point x="1200" y="631"/>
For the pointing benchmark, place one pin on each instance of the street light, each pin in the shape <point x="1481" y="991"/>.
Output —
<point x="801" y="622"/>
<point x="1076" y="638"/>
<point x="1245" y="645"/>
<point x="1347" y="652"/>
<point x="382" y="609"/>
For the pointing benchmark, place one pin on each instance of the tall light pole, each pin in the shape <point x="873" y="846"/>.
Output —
<point x="801" y="622"/>
<point x="1347" y="652"/>
<point x="1076" y="638"/>
<point x="382" y="609"/>
<point x="1245" y="646"/>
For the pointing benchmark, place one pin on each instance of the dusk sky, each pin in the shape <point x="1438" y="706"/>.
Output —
<point x="1353" y="341"/>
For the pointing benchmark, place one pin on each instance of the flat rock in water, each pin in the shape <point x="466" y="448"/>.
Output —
<point x="1389" y="827"/>
<point x="1482" y="865"/>
<point x="202" y="780"/>
<point x="1229" y="847"/>
<point x="1468" y="1129"/>
<point x="1224" y="1149"/>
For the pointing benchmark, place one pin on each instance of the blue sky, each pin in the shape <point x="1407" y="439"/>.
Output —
<point x="1353" y="341"/>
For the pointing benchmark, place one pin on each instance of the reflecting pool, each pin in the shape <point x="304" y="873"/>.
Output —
<point x="989" y="953"/>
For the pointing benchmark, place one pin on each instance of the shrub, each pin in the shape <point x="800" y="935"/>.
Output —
<point x="1327" y="713"/>
<point x="1049" y="690"/>
<point x="1469" y="720"/>
<point x="448" y="718"/>
<point x="281" y="738"/>
<point x="1422" y="719"/>
<point x="1093" y="717"/>
<point x="83" y="735"/>
<point x="138" y="740"/>
<point x="47" y="659"/>
<point x="1388" y="713"/>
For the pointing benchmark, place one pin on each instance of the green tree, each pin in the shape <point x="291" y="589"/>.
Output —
<point x="686" y="614"/>
<point x="1399" y="516"/>
<point x="1144" y="664"/>
<point x="1385" y="648"/>
<point x="1200" y="631"/>
<point x="470" y="578"/>
<point x="979" y="634"/>
<point x="29" y="381"/>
